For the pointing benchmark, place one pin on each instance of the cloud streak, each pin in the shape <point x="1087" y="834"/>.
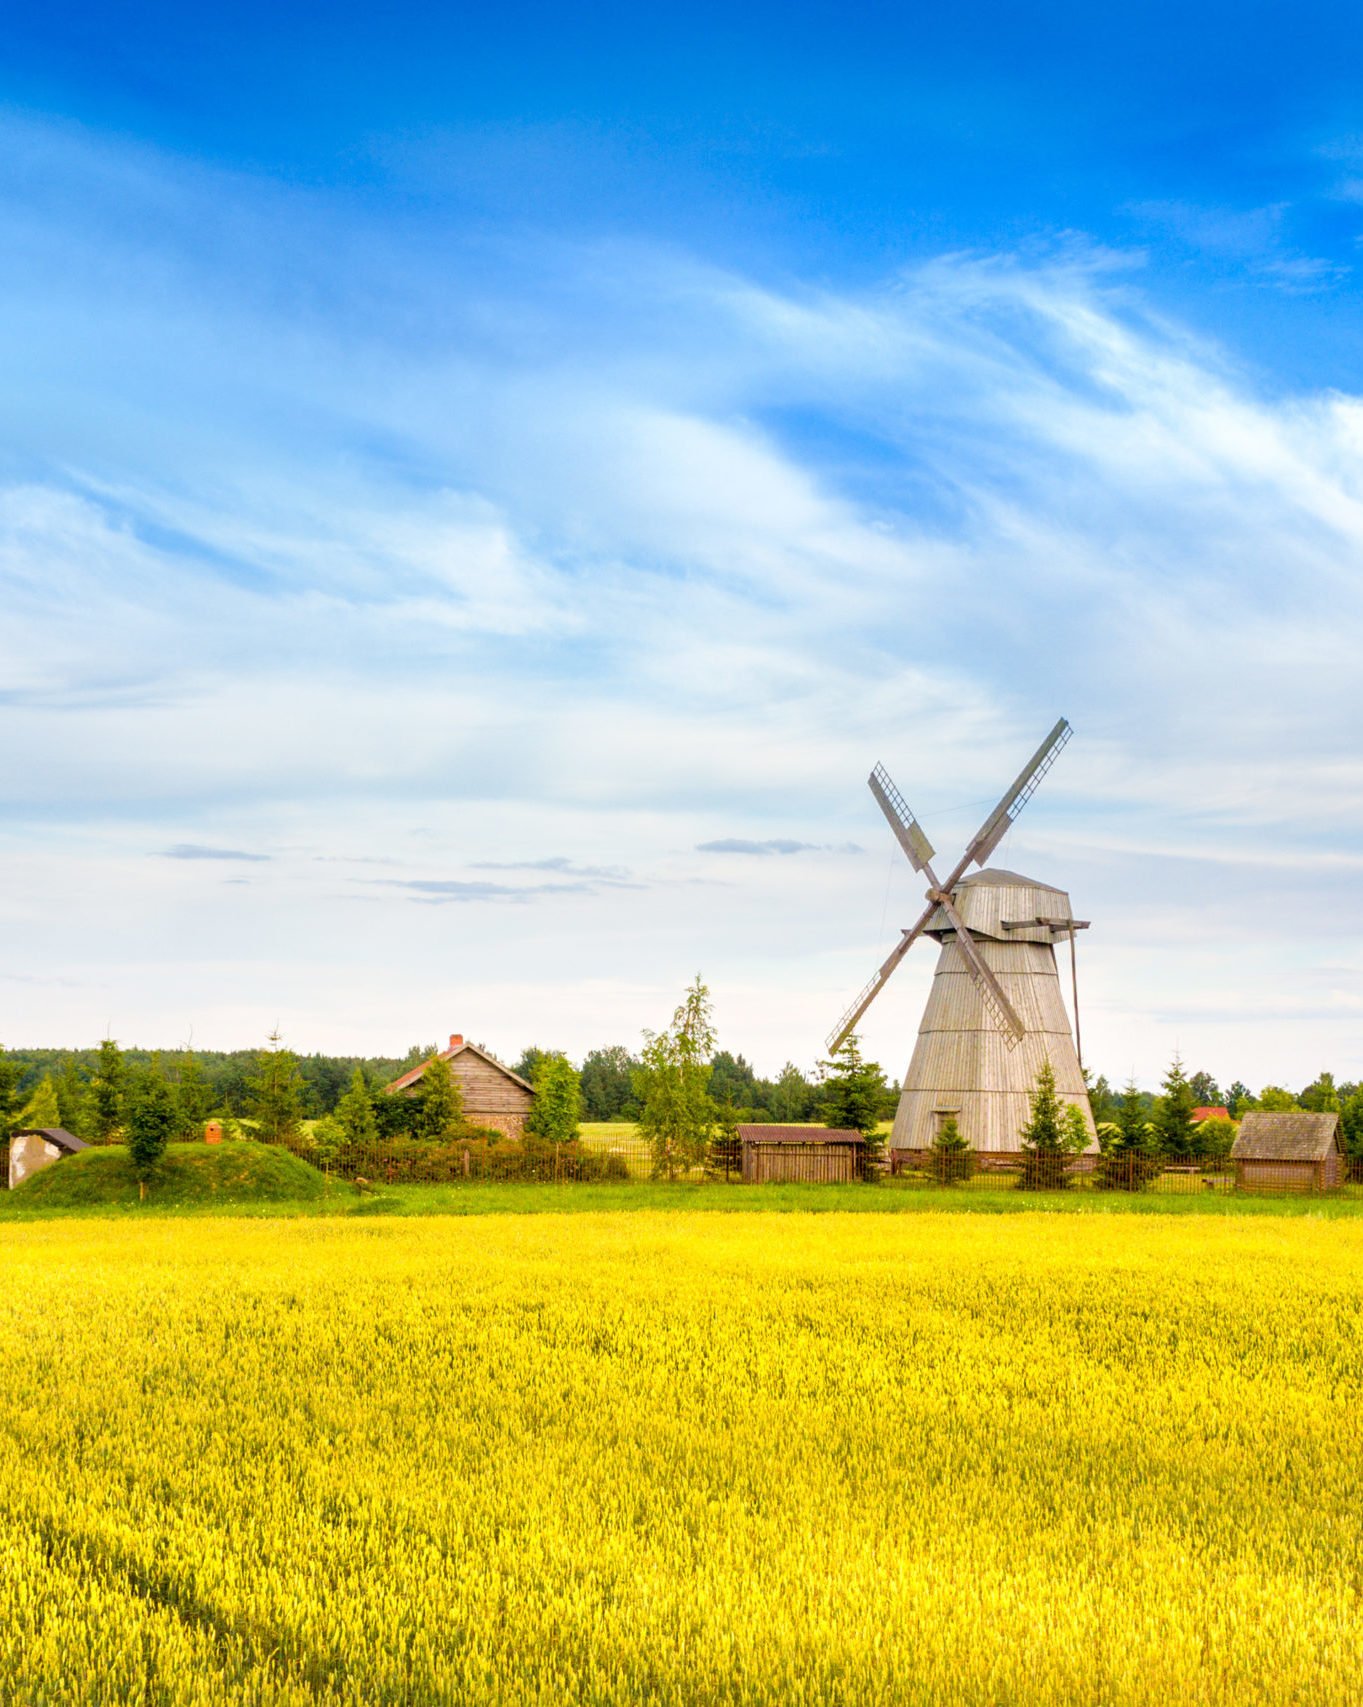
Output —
<point x="773" y="845"/>
<point x="196" y="850"/>
<point x="340" y="533"/>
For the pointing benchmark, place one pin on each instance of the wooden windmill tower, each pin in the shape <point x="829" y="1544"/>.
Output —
<point x="995" y="1012"/>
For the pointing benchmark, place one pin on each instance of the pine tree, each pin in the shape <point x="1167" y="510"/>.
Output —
<point x="792" y="1096"/>
<point x="1129" y="1163"/>
<point x="1206" y="1091"/>
<point x="355" y="1111"/>
<point x="441" y="1116"/>
<point x="951" y="1158"/>
<point x="151" y="1118"/>
<point x="1175" y="1128"/>
<point x="672" y="1082"/>
<point x="1238" y="1100"/>
<point x="558" y="1101"/>
<point x="9" y="1096"/>
<point x="104" y="1103"/>
<point x="1049" y="1138"/>
<point x="193" y="1099"/>
<point x="853" y="1094"/>
<point x="276" y="1093"/>
<point x="42" y="1108"/>
<point x="72" y="1098"/>
<point x="1101" y="1099"/>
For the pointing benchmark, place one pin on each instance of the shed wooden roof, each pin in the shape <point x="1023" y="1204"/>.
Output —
<point x="1295" y="1136"/>
<point x="460" y="1048"/>
<point x="765" y="1134"/>
<point x="57" y="1135"/>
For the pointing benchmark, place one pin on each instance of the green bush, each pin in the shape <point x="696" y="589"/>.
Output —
<point x="484" y="1155"/>
<point x="951" y="1159"/>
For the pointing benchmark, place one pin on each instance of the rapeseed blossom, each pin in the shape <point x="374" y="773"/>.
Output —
<point x="682" y="1458"/>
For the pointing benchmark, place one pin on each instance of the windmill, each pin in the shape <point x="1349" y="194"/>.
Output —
<point x="995" y="1012"/>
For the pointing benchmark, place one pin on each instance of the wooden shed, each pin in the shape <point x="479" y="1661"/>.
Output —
<point x="33" y="1148"/>
<point x="816" y="1154"/>
<point x="1295" y="1151"/>
<point x="493" y="1095"/>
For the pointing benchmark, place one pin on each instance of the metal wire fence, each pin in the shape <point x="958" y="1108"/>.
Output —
<point x="1128" y="1174"/>
<point x="622" y="1157"/>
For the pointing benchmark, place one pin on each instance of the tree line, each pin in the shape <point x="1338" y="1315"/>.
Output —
<point x="89" y="1092"/>
<point x="81" y="1089"/>
<point x="1168" y="1113"/>
<point x="687" y="1096"/>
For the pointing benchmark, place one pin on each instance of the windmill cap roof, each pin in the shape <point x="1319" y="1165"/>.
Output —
<point x="1012" y="879"/>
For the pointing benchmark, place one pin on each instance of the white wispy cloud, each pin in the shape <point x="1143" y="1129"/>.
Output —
<point x="323" y="533"/>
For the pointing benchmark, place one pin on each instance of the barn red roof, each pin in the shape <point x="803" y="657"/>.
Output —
<point x="1200" y="1114"/>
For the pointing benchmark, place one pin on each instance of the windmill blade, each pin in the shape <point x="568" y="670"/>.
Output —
<point x="1001" y="1010"/>
<point x="848" y="1023"/>
<point x="997" y="825"/>
<point x="908" y="831"/>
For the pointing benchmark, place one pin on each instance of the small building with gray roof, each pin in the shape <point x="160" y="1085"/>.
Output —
<point x="33" y="1148"/>
<point x="1292" y="1151"/>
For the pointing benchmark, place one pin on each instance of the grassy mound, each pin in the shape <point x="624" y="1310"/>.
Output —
<point x="189" y="1174"/>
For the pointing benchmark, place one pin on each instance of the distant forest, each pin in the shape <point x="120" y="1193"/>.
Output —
<point x="226" y="1084"/>
<point x="230" y="1079"/>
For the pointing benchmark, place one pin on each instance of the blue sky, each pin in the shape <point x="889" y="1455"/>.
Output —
<point x="478" y="492"/>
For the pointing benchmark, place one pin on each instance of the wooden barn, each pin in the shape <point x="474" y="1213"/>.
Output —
<point x="33" y="1148"/>
<point x="1295" y="1151"/>
<point x="814" y="1154"/>
<point x="493" y="1095"/>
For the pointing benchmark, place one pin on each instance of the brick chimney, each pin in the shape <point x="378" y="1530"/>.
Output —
<point x="456" y="1040"/>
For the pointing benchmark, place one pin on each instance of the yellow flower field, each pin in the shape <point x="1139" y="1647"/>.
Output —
<point x="682" y="1458"/>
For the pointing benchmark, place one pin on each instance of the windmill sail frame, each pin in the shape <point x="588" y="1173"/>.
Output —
<point x="909" y="833"/>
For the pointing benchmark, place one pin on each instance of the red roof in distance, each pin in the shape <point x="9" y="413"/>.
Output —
<point x="1201" y="1114"/>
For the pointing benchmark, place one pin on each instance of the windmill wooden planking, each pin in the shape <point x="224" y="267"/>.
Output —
<point x="995" y="1013"/>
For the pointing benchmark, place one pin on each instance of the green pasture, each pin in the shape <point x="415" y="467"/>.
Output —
<point x="262" y="1180"/>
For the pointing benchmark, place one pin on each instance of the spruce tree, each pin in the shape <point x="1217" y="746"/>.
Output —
<point x="355" y="1111"/>
<point x="276" y="1094"/>
<point x="193" y="1099"/>
<point x="441" y="1099"/>
<point x="853" y="1094"/>
<point x="151" y="1118"/>
<point x="951" y="1158"/>
<point x="1049" y="1138"/>
<point x="104" y="1100"/>
<point x="558" y="1101"/>
<point x="72" y="1098"/>
<point x="1129" y="1163"/>
<point x="1175" y="1128"/>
